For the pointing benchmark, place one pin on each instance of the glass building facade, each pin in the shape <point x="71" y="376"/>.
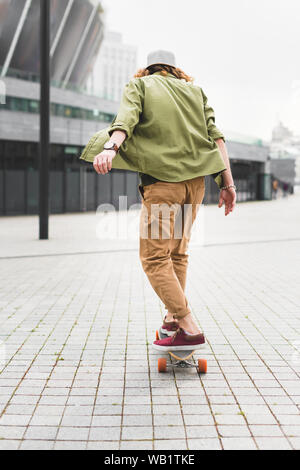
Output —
<point x="57" y="109"/>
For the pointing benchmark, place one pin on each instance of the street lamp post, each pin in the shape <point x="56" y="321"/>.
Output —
<point x="44" y="119"/>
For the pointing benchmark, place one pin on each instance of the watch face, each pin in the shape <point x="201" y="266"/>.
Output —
<point x="110" y="146"/>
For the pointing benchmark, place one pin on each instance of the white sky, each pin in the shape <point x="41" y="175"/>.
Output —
<point x="243" y="53"/>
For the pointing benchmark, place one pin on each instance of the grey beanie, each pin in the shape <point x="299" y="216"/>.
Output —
<point x="161" y="57"/>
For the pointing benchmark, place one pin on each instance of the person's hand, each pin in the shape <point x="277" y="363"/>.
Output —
<point x="103" y="161"/>
<point x="227" y="197"/>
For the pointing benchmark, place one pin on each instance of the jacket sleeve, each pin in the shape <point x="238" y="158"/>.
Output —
<point x="130" y="108"/>
<point x="212" y="129"/>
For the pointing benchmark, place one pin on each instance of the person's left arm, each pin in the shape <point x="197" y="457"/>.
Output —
<point x="228" y="195"/>
<point x="127" y="118"/>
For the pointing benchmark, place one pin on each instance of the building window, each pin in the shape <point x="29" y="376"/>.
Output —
<point x="33" y="106"/>
<point x="56" y="109"/>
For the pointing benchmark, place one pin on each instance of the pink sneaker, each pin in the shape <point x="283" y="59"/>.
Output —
<point x="169" y="327"/>
<point x="180" y="341"/>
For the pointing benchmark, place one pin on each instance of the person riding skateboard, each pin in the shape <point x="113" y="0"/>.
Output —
<point x="175" y="143"/>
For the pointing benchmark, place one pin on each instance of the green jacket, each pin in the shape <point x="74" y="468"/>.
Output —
<point x="170" y="131"/>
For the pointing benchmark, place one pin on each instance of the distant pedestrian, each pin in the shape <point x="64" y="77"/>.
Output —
<point x="275" y="188"/>
<point x="285" y="188"/>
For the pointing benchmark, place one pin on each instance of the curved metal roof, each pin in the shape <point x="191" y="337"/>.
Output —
<point x="76" y="35"/>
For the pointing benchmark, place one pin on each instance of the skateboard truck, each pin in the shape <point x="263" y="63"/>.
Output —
<point x="182" y="359"/>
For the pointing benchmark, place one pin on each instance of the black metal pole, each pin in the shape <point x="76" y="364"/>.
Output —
<point x="44" y="119"/>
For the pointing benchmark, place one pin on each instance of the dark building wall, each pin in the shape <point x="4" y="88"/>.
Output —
<point x="245" y="175"/>
<point x="75" y="186"/>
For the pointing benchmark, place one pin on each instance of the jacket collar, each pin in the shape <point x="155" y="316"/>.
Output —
<point x="168" y="74"/>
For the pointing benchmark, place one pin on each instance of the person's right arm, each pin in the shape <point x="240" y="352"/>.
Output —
<point x="127" y="118"/>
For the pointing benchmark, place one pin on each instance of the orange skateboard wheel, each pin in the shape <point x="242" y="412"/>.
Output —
<point x="202" y="366"/>
<point x="162" y="364"/>
<point x="157" y="335"/>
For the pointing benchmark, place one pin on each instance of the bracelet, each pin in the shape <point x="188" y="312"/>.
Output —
<point x="229" y="186"/>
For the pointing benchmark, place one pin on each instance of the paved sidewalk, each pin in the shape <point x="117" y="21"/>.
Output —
<point x="78" y="370"/>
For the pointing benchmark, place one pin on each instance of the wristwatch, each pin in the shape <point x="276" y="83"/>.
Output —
<point x="111" y="146"/>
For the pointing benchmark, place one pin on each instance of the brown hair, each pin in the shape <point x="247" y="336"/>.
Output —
<point x="164" y="70"/>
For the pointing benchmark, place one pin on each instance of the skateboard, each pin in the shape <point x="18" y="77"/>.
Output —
<point x="182" y="358"/>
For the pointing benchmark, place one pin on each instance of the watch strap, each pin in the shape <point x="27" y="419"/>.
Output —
<point x="113" y="147"/>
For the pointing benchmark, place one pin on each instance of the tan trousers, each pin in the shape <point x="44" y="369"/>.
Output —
<point x="168" y="212"/>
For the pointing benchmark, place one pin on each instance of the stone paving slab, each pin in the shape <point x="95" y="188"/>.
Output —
<point x="77" y="367"/>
